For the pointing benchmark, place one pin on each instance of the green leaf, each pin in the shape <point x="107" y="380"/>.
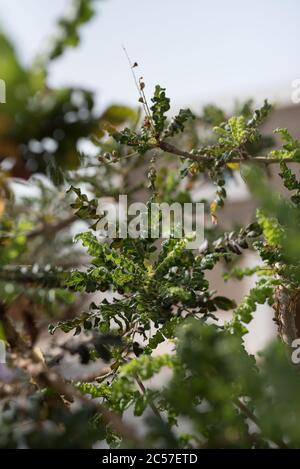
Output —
<point x="224" y="303"/>
<point x="161" y="104"/>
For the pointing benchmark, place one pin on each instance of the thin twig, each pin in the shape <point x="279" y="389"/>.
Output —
<point x="243" y="408"/>
<point x="140" y="90"/>
<point x="151" y="403"/>
<point x="136" y="81"/>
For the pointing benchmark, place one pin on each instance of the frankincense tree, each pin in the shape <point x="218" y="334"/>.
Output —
<point x="126" y="299"/>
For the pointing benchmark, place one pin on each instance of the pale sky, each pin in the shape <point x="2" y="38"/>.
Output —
<point x="201" y="51"/>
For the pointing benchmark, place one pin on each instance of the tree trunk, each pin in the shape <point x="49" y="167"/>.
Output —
<point x="287" y="315"/>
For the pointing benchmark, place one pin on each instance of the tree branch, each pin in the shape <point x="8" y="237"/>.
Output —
<point x="167" y="147"/>
<point x="51" y="230"/>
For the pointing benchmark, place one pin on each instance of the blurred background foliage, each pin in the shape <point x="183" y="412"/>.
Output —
<point x="41" y="127"/>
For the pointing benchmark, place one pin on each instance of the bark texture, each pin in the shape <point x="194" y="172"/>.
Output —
<point x="287" y="315"/>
